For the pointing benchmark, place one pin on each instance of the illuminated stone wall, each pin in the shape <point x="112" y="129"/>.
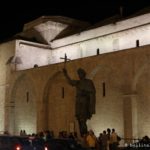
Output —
<point x="117" y="36"/>
<point x="115" y="27"/>
<point x="31" y="54"/>
<point x="32" y="99"/>
<point x="123" y="107"/>
<point x="6" y="51"/>
<point x="23" y="114"/>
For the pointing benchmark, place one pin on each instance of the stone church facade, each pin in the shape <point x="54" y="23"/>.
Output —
<point x="35" y="95"/>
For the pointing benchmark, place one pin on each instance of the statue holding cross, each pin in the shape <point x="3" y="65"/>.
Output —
<point x="85" y="98"/>
<point x="65" y="60"/>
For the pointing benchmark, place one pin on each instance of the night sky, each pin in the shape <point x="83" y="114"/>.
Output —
<point x="13" y="17"/>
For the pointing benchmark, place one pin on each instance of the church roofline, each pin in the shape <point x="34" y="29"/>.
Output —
<point x="118" y="18"/>
<point x="59" y="19"/>
<point x="111" y="28"/>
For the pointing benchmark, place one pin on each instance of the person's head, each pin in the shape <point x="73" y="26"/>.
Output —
<point x="113" y="130"/>
<point x="108" y="130"/>
<point x="104" y="132"/>
<point x="91" y="132"/>
<point x="81" y="73"/>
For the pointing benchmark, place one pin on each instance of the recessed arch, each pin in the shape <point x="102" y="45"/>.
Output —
<point x="138" y="75"/>
<point x="141" y="103"/>
<point x="48" y="85"/>
<point x="59" y="110"/>
<point x="23" y="112"/>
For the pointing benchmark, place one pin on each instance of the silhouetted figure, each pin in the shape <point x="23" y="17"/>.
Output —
<point x="113" y="140"/>
<point x="100" y="141"/>
<point x="47" y="135"/>
<point x="24" y="133"/>
<point x="85" y="98"/>
<point x="91" y="140"/>
<point x="21" y="132"/>
<point x="108" y="135"/>
<point x="145" y="140"/>
<point x="71" y="136"/>
<point x="104" y="140"/>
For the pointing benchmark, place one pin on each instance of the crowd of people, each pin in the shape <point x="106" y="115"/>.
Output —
<point x="107" y="140"/>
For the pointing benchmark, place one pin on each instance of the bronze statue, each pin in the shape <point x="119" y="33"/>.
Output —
<point x="85" y="98"/>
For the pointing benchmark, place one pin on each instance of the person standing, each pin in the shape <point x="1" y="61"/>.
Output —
<point x="113" y="140"/>
<point x="108" y="136"/>
<point x="91" y="140"/>
<point x="104" y="140"/>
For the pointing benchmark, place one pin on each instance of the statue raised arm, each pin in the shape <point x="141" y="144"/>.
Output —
<point x="70" y="81"/>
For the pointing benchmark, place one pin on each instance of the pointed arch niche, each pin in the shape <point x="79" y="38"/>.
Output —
<point x="23" y="113"/>
<point x="59" y="99"/>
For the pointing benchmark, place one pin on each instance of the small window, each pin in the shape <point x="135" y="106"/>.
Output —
<point x="137" y="43"/>
<point x="35" y="66"/>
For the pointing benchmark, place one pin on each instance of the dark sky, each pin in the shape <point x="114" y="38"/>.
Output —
<point x="14" y="16"/>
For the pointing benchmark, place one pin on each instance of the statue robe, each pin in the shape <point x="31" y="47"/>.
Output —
<point x="85" y="98"/>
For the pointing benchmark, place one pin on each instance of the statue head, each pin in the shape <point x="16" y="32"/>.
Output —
<point x="81" y="73"/>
